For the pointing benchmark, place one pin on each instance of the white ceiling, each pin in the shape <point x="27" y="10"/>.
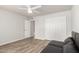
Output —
<point x="45" y="9"/>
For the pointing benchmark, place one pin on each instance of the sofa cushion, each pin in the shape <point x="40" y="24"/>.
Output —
<point x="56" y="43"/>
<point x="52" y="49"/>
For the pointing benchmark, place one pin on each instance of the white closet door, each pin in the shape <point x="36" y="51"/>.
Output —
<point x="56" y="28"/>
<point x="27" y="29"/>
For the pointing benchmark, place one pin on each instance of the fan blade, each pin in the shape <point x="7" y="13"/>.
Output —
<point x="29" y="8"/>
<point x="23" y="8"/>
<point x="36" y="7"/>
<point x="36" y="11"/>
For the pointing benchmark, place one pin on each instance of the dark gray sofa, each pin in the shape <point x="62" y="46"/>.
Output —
<point x="70" y="45"/>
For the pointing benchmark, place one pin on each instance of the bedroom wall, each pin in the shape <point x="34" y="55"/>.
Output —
<point x="75" y="18"/>
<point x="40" y="22"/>
<point x="12" y="27"/>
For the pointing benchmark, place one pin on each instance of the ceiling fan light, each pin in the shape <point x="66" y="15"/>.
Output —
<point x="29" y="10"/>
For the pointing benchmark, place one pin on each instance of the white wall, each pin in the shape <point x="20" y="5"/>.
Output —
<point x="11" y="27"/>
<point x="56" y="28"/>
<point x="40" y="23"/>
<point x="75" y="18"/>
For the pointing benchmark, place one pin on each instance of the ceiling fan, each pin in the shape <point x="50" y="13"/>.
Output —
<point x="31" y="9"/>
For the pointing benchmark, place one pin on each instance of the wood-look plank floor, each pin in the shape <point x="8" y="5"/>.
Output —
<point x="29" y="45"/>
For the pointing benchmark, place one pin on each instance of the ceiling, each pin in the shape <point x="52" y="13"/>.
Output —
<point x="45" y="9"/>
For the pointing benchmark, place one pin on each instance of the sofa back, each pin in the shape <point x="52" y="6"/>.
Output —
<point x="75" y="37"/>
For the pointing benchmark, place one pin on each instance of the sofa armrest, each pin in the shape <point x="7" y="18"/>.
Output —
<point x="56" y="43"/>
<point x="69" y="46"/>
<point x="69" y="39"/>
